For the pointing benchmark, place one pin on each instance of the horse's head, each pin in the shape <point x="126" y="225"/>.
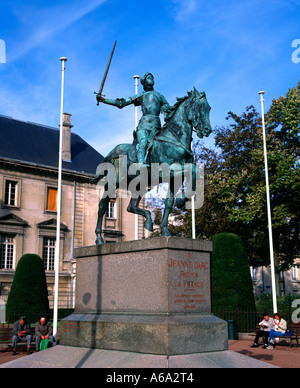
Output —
<point x="198" y="113"/>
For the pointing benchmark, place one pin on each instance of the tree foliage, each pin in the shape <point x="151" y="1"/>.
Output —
<point x="230" y="274"/>
<point x="235" y="187"/>
<point x="28" y="294"/>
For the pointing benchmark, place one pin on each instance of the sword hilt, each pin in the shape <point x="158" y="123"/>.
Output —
<point x="102" y="95"/>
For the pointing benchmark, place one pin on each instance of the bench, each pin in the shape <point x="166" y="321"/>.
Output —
<point x="294" y="336"/>
<point x="6" y="333"/>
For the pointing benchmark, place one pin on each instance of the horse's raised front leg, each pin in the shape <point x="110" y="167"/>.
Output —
<point x="103" y="205"/>
<point x="133" y="207"/>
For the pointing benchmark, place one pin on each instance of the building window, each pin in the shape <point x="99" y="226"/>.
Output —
<point x="111" y="210"/>
<point x="294" y="273"/>
<point x="49" y="253"/>
<point x="51" y="199"/>
<point x="11" y="193"/>
<point x="7" y="251"/>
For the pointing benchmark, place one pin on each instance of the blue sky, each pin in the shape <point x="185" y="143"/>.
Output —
<point x="229" y="49"/>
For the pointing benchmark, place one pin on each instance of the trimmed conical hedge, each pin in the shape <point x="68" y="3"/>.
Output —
<point x="232" y="287"/>
<point x="28" y="294"/>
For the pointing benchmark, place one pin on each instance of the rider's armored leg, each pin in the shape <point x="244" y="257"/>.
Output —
<point x="142" y="136"/>
<point x="141" y="153"/>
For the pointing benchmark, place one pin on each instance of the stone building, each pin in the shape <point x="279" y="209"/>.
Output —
<point x="28" y="188"/>
<point x="289" y="280"/>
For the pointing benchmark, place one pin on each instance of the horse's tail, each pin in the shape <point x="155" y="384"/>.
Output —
<point x="115" y="154"/>
<point x="109" y="158"/>
<point x="120" y="150"/>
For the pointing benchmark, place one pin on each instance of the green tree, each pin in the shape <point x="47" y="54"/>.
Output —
<point x="283" y="121"/>
<point x="28" y="294"/>
<point x="230" y="273"/>
<point x="235" y="189"/>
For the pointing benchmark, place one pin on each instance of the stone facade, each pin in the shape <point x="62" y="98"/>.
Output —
<point x="289" y="280"/>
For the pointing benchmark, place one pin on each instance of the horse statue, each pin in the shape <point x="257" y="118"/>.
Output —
<point x="171" y="146"/>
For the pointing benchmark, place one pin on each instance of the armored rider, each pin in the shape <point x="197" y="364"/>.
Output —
<point x="152" y="104"/>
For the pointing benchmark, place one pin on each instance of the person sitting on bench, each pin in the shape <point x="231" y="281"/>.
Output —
<point x="43" y="331"/>
<point x="21" y="332"/>
<point x="279" y="331"/>
<point x="265" y="326"/>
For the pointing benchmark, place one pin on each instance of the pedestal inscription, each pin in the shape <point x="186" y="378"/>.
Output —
<point x="148" y="296"/>
<point x="190" y="281"/>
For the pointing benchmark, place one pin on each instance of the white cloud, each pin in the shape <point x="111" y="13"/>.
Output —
<point x="43" y="23"/>
<point x="184" y="8"/>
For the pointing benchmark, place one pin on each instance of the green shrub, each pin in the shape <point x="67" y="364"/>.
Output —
<point x="28" y="295"/>
<point x="231" y="279"/>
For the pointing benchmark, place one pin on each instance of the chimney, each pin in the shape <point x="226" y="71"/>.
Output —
<point x="66" y="143"/>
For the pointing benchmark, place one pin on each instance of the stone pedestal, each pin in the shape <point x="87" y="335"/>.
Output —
<point x="147" y="296"/>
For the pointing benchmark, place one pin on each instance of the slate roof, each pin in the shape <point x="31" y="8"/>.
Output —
<point x="38" y="144"/>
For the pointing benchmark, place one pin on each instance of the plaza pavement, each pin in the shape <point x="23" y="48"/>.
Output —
<point x="282" y="356"/>
<point x="70" y="357"/>
<point x="240" y="355"/>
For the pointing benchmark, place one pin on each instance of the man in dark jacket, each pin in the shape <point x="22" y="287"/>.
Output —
<point x="21" y="332"/>
<point x="43" y="331"/>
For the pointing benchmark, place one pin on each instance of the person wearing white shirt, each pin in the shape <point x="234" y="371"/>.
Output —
<point x="265" y="326"/>
<point x="279" y="331"/>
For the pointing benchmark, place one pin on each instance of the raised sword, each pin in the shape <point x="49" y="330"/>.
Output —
<point x="106" y="72"/>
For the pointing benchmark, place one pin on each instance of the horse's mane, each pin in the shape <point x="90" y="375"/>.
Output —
<point x="172" y="109"/>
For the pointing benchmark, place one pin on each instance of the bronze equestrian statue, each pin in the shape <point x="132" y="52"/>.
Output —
<point x="154" y="145"/>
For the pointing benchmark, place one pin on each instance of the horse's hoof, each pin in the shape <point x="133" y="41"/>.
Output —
<point x="165" y="232"/>
<point x="99" y="240"/>
<point x="148" y="224"/>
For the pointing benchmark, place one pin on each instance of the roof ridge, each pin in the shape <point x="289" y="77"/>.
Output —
<point x="29" y="122"/>
<point x="38" y="124"/>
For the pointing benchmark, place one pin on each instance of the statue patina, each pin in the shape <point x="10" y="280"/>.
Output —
<point x="152" y="104"/>
<point x="154" y="144"/>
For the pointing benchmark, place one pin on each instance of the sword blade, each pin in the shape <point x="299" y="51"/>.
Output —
<point x="107" y="69"/>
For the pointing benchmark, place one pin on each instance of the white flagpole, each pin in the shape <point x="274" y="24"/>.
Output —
<point x="273" y="278"/>
<point x="136" y="223"/>
<point x="57" y="247"/>
<point x="193" y="219"/>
